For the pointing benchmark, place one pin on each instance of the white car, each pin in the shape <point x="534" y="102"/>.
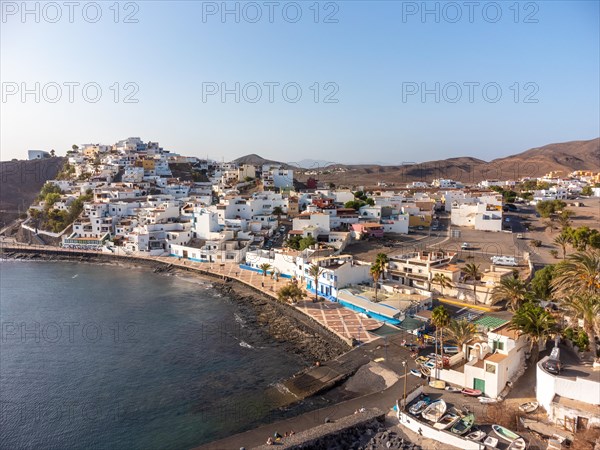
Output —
<point x="465" y="246"/>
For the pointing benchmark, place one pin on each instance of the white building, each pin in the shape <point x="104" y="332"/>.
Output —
<point x="571" y="400"/>
<point x="337" y="272"/>
<point x="276" y="177"/>
<point x="312" y="224"/>
<point x="446" y="184"/>
<point x="416" y="269"/>
<point x="492" y="362"/>
<point x="480" y="216"/>
<point x="205" y="223"/>
<point x="37" y="154"/>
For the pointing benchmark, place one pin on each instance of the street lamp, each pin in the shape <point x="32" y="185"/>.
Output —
<point x="404" y="395"/>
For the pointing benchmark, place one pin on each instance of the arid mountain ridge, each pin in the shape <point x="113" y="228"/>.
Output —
<point x="564" y="157"/>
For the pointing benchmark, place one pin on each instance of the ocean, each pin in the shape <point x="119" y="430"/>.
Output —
<point x="112" y="357"/>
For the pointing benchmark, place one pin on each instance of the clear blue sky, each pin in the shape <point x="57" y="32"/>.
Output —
<point x="369" y="53"/>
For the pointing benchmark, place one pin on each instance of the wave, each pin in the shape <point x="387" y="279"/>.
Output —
<point x="239" y="319"/>
<point x="282" y="389"/>
<point x="245" y="344"/>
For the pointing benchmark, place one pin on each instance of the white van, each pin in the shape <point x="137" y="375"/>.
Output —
<point x="504" y="260"/>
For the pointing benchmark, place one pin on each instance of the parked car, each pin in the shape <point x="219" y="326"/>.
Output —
<point x="520" y="236"/>
<point x="553" y="366"/>
<point x="282" y="228"/>
<point x="465" y="246"/>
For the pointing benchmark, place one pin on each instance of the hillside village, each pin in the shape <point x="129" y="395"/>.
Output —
<point x="389" y="254"/>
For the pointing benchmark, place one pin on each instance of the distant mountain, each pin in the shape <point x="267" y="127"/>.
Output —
<point x="565" y="157"/>
<point x="255" y="160"/>
<point x="312" y="163"/>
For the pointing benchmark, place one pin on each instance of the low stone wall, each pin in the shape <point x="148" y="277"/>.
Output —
<point x="341" y="434"/>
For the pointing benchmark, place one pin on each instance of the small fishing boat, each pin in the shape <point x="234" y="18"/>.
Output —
<point x="437" y="384"/>
<point x="471" y="392"/>
<point x="490" y="442"/>
<point x="425" y="371"/>
<point x="518" y="444"/>
<point x="418" y="407"/>
<point x="429" y="364"/>
<point x="447" y="420"/>
<point x="505" y="433"/>
<point x="464" y="424"/>
<point x="528" y="407"/>
<point x="421" y="360"/>
<point x="415" y="372"/>
<point x="487" y="400"/>
<point x="452" y="389"/>
<point x="450" y="349"/>
<point x="434" y="411"/>
<point x="475" y="435"/>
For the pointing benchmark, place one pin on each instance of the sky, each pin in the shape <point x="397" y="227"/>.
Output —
<point x="346" y="81"/>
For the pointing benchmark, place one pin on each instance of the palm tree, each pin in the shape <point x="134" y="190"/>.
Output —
<point x="536" y="323"/>
<point x="440" y="318"/>
<point x="587" y="308"/>
<point x="579" y="273"/>
<point x="472" y="272"/>
<point x="382" y="260"/>
<point x="315" y="272"/>
<point x="461" y="332"/>
<point x="442" y="280"/>
<point x="561" y="240"/>
<point x="513" y="290"/>
<point x="265" y="268"/>
<point x="278" y="211"/>
<point x="376" y="272"/>
<point x="564" y="218"/>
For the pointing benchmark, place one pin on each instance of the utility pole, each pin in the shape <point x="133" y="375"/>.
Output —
<point x="404" y="395"/>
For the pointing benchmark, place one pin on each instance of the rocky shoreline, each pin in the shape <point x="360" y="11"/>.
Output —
<point x="262" y="314"/>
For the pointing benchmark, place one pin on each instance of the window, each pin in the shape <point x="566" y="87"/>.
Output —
<point x="497" y="345"/>
<point x="490" y="368"/>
